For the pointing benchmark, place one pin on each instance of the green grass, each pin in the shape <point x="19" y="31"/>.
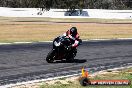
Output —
<point x="79" y="86"/>
<point x="122" y="74"/>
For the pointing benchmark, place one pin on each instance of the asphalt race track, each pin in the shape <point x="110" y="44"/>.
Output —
<point x="24" y="62"/>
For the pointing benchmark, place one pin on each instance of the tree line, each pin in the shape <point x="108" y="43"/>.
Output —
<point x="68" y="4"/>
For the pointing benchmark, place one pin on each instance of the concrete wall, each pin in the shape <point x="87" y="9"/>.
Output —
<point x="62" y="13"/>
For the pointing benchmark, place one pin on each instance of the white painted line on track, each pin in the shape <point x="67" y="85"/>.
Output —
<point x="21" y="42"/>
<point x="109" y="39"/>
<point x="46" y="41"/>
<point x="35" y="81"/>
<point x="124" y="38"/>
<point x="5" y="43"/>
<point x="114" y="69"/>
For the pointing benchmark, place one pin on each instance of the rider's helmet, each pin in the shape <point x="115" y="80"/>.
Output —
<point x="73" y="31"/>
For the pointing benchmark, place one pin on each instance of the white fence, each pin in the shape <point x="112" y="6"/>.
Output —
<point x="62" y="13"/>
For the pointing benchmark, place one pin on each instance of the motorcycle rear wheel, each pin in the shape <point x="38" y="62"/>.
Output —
<point x="50" y="57"/>
<point x="70" y="58"/>
<point x="72" y="54"/>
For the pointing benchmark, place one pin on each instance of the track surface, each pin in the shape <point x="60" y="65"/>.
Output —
<point x="24" y="62"/>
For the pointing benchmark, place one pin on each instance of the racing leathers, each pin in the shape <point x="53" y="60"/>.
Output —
<point x="74" y="39"/>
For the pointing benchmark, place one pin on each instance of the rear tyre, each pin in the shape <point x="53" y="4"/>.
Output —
<point x="70" y="58"/>
<point x="50" y="57"/>
<point x="72" y="54"/>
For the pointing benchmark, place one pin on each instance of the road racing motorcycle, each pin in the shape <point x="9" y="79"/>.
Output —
<point x="62" y="50"/>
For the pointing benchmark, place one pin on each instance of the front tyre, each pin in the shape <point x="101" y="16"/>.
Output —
<point x="50" y="57"/>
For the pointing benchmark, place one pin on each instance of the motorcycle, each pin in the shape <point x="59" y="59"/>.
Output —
<point x="62" y="50"/>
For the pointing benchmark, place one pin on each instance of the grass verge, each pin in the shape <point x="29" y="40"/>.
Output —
<point x="45" y="29"/>
<point x="119" y="74"/>
<point x="73" y="82"/>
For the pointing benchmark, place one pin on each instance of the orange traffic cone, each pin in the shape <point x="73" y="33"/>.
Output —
<point x="84" y="80"/>
<point x="84" y="73"/>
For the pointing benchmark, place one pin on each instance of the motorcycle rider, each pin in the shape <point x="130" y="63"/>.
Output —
<point x="69" y="40"/>
<point x="73" y="35"/>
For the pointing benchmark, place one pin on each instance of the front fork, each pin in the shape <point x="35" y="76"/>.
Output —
<point x="60" y="53"/>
